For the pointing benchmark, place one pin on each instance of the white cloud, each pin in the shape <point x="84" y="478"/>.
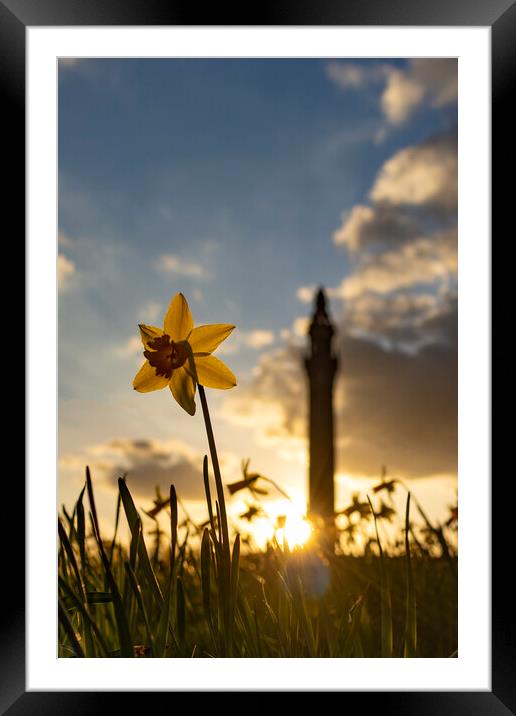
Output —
<point x="403" y="319"/>
<point x="423" y="82"/>
<point x="405" y="245"/>
<point x="132" y="347"/>
<point x="351" y="76"/>
<point x="422" y="175"/>
<point x="301" y="325"/>
<point x="366" y="226"/>
<point x="346" y="76"/>
<point x="148" y="463"/>
<point x="425" y="261"/>
<point x="306" y="294"/>
<point x="254" y="340"/>
<point x="259" y="338"/>
<point x="173" y="264"/>
<point x="401" y="96"/>
<point x="65" y="271"/>
<point x="430" y="82"/>
<point x="296" y="335"/>
<point x="265" y="404"/>
<point x="393" y="243"/>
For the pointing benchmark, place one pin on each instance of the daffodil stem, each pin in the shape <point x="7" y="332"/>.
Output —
<point x="225" y="584"/>
<point x="216" y="469"/>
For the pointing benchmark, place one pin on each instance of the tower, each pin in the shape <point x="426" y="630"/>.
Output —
<point x="321" y="366"/>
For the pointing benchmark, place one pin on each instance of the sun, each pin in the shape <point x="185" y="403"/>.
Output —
<point x="297" y="530"/>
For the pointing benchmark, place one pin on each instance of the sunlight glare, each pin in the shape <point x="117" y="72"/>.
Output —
<point x="297" y="529"/>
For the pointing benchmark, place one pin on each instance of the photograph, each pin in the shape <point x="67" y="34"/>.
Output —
<point x="257" y="263"/>
<point x="257" y="394"/>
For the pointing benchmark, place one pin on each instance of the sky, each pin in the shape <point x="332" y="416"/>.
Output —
<point x="245" y="184"/>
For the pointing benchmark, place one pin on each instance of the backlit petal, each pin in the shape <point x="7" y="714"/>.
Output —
<point x="178" y="321"/>
<point x="213" y="373"/>
<point x="146" y="379"/>
<point x="204" y="339"/>
<point x="147" y="333"/>
<point x="182" y="386"/>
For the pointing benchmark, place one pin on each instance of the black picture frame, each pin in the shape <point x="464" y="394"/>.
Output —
<point x="500" y="16"/>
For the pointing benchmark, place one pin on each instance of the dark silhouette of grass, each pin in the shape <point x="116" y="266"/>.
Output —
<point x="206" y="599"/>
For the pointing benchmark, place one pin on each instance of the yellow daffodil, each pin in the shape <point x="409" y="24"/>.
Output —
<point x="179" y="356"/>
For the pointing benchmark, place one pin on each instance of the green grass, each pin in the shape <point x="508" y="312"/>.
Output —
<point x="210" y="599"/>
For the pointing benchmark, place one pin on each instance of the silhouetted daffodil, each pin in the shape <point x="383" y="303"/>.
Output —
<point x="179" y="356"/>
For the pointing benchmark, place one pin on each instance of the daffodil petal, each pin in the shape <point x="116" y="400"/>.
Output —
<point x="147" y="333"/>
<point x="146" y="380"/>
<point x="182" y="386"/>
<point x="204" y="339"/>
<point x="213" y="373"/>
<point x="178" y="321"/>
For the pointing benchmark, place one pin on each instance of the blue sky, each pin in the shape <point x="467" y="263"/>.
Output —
<point x="243" y="184"/>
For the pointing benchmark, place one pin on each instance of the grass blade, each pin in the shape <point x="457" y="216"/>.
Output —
<point x="124" y="635"/>
<point x="136" y="536"/>
<point x="81" y="531"/>
<point x="385" y="598"/>
<point x="173" y="527"/>
<point x="164" y="622"/>
<point x="117" y="519"/>
<point x="234" y="574"/>
<point x="206" y="477"/>
<point x="75" y="601"/>
<point x="410" y="647"/>
<point x="206" y="576"/>
<point x="139" y="600"/>
<point x="69" y="630"/>
<point x="181" y="613"/>
<point x="71" y="557"/>
<point x="133" y="518"/>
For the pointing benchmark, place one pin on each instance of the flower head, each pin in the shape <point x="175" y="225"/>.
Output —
<point x="179" y="356"/>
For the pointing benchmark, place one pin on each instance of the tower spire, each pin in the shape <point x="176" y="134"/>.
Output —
<point x="320" y="305"/>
